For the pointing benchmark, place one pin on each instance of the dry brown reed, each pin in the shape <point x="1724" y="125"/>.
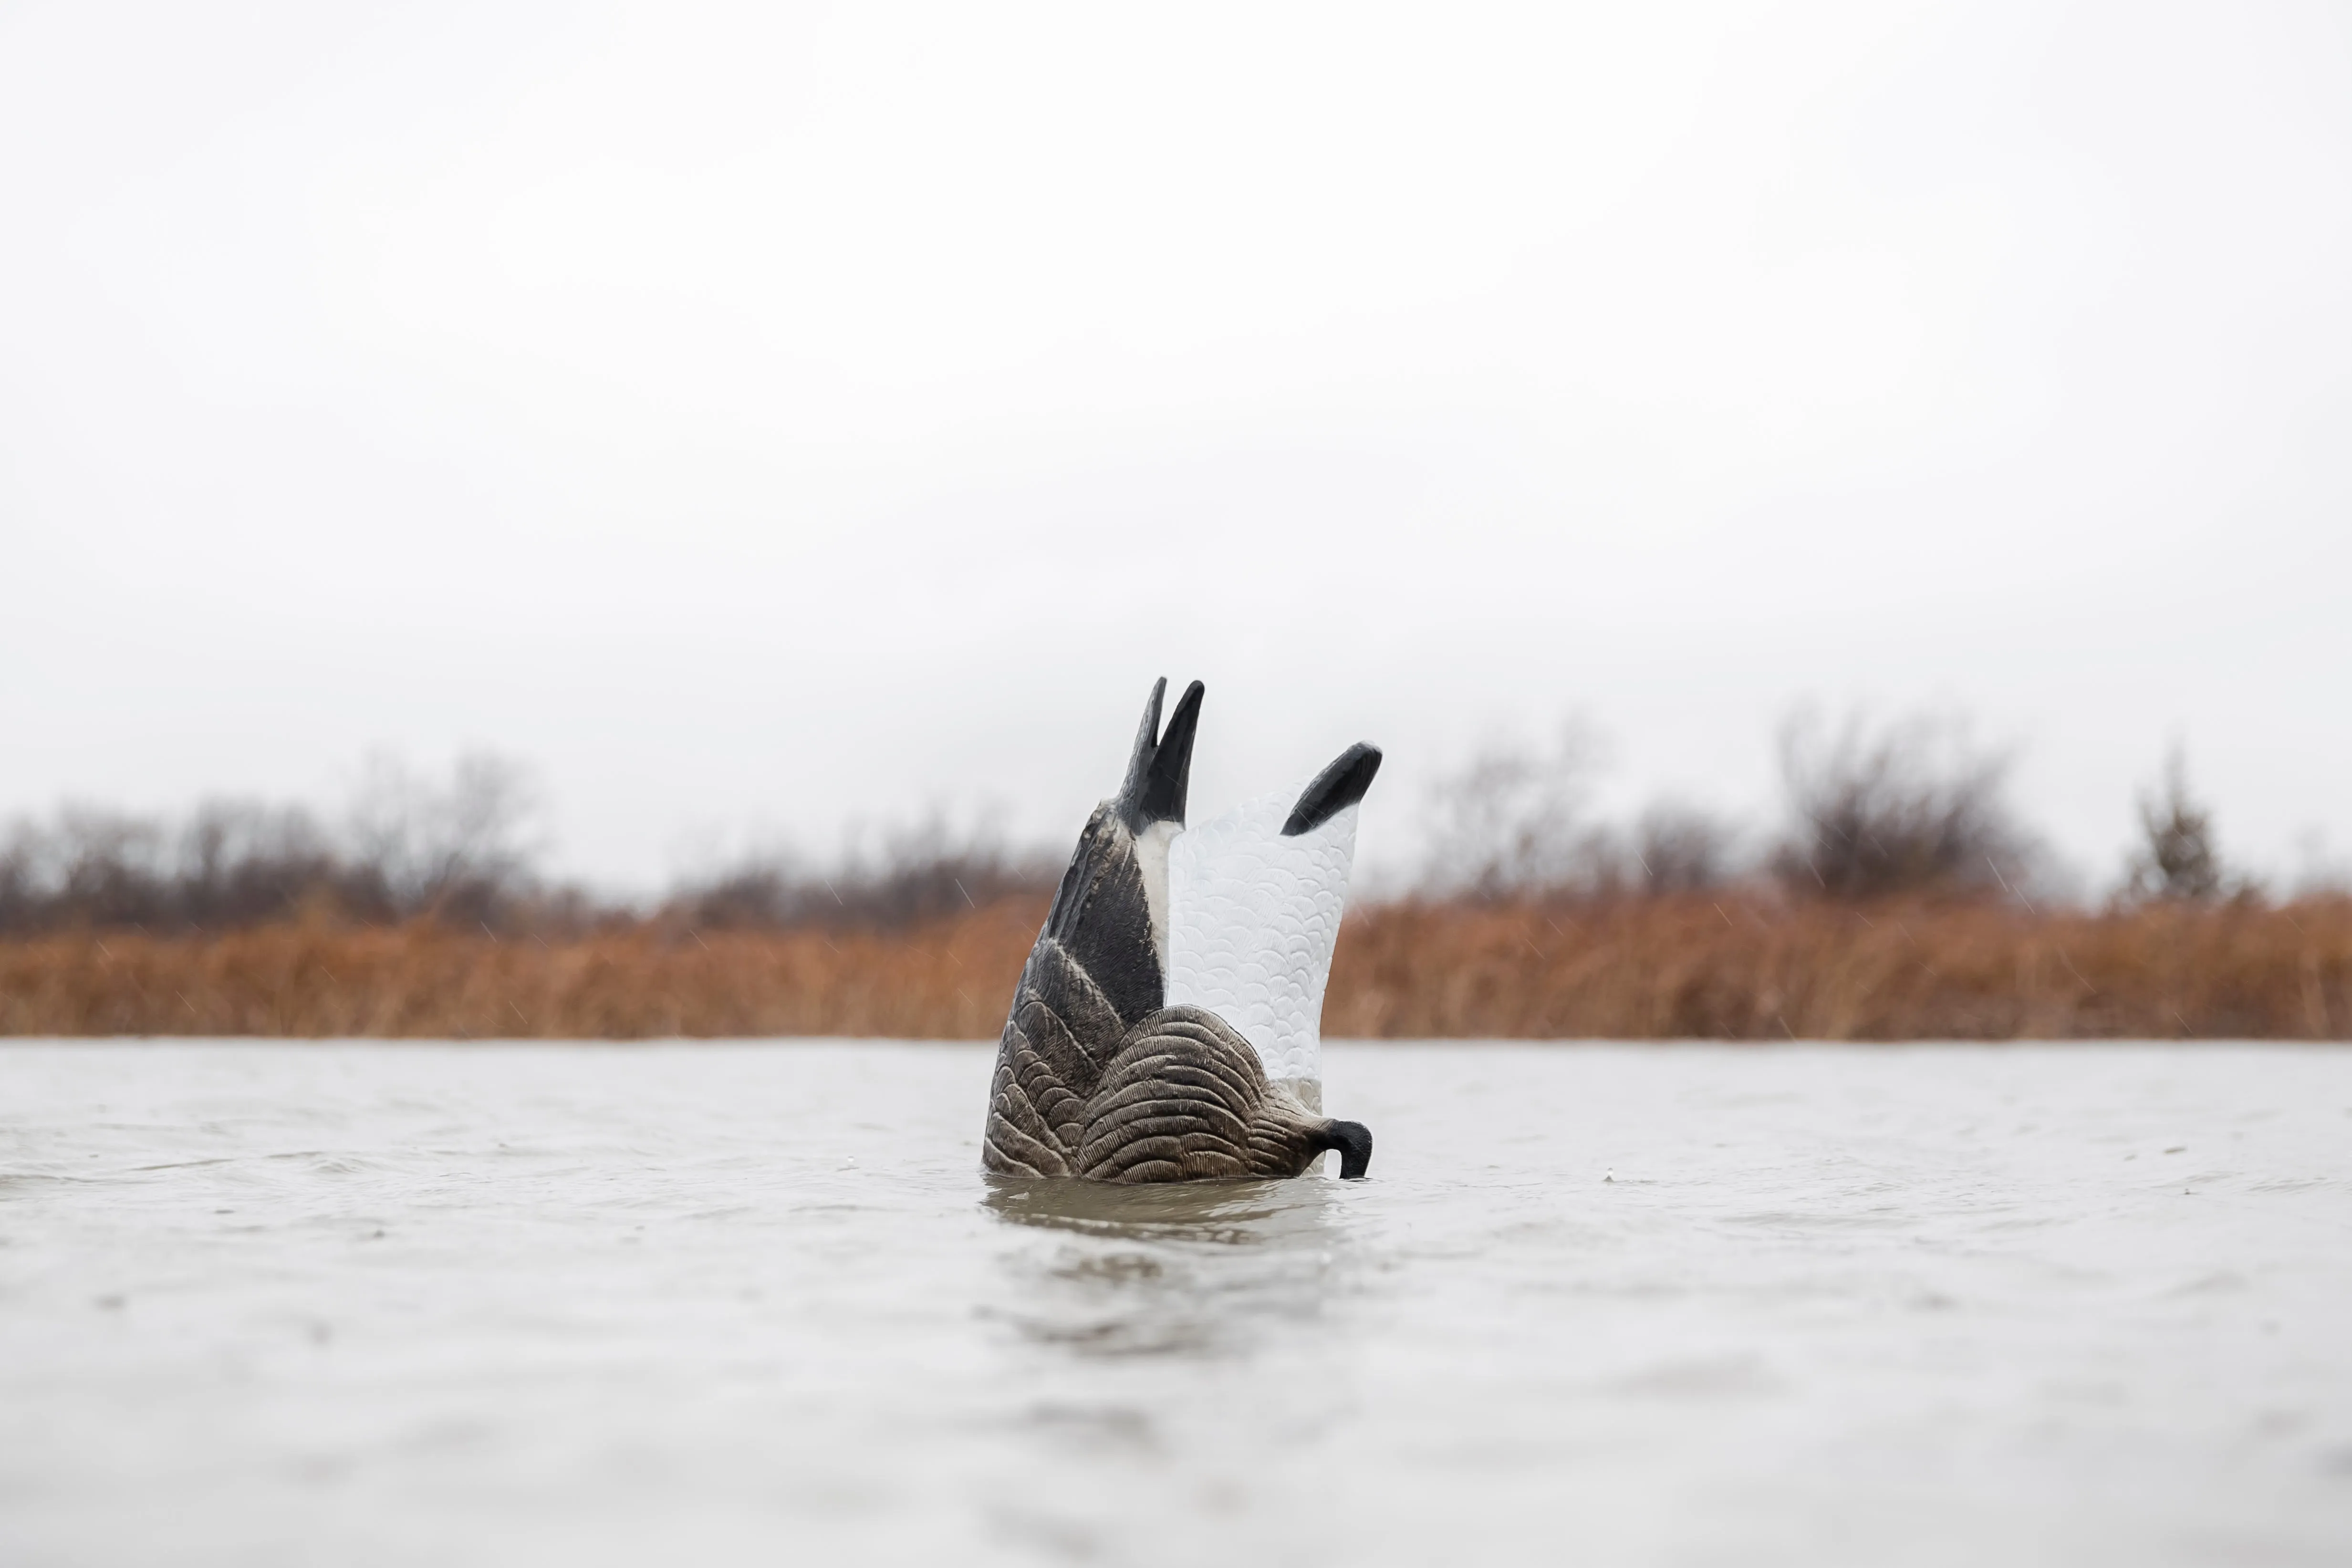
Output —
<point x="942" y="980"/>
<point x="1663" y="967"/>
<point x="1700" y="968"/>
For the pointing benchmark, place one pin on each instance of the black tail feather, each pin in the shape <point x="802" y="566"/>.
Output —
<point x="1334" y="788"/>
<point x="1160" y="769"/>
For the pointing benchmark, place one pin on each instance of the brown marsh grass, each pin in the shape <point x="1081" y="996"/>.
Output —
<point x="1699" y="967"/>
<point x="1724" y="969"/>
<point x="942" y="980"/>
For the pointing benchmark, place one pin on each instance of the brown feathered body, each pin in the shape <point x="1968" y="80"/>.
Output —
<point x="1098" y="1080"/>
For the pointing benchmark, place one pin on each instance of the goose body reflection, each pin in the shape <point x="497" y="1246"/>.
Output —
<point x="1193" y="1271"/>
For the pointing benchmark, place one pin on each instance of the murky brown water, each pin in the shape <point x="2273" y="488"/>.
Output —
<point x="731" y="1303"/>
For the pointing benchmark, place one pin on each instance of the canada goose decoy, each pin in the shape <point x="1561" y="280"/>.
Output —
<point x="1168" y="1024"/>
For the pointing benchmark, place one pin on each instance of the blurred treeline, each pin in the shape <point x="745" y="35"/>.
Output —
<point x="1908" y="808"/>
<point x="1899" y="896"/>
<point x="461" y="852"/>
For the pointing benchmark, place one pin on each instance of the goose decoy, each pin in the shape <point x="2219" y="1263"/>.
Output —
<point x="1168" y="1024"/>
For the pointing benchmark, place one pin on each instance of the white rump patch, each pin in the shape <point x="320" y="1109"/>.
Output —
<point x="1251" y="919"/>
<point x="1152" y="860"/>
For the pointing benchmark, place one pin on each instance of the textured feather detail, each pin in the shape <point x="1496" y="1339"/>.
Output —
<point x="1253" y="916"/>
<point x="1101" y="921"/>
<point x="1186" y="1100"/>
<point x="1062" y="1030"/>
<point x="1094" y="972"/>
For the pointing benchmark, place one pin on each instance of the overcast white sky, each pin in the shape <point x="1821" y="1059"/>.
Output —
<point x="759" y="418"/>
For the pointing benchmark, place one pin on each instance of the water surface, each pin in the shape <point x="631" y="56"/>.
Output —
<point x="399" y="1303"/>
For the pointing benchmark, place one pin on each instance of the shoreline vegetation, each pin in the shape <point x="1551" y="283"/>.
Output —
<point x="1898" y="899"/>
<point x="1688" y="967"/>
